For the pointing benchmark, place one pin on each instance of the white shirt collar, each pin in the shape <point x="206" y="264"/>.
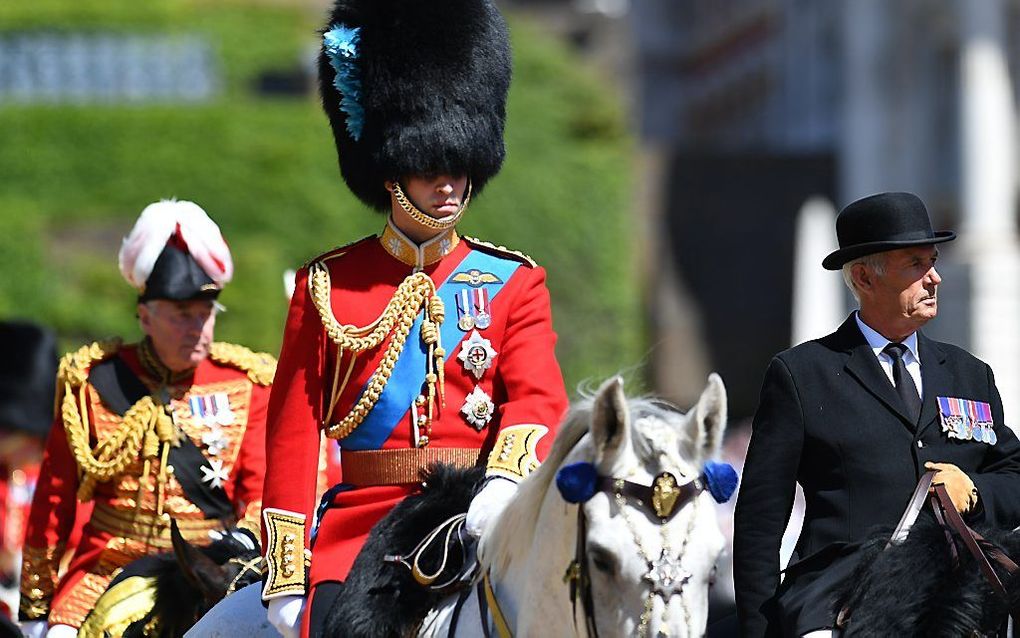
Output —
<point x="878" y="342"/>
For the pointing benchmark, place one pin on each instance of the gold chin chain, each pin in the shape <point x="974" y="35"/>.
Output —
<point x="441" y="223"/>
<point x="417" y="292"/>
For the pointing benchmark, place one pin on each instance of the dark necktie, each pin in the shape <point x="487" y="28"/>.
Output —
<point x="903" y="381"/>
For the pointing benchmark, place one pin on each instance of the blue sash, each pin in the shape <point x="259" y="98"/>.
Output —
<point x="409" y="371"/>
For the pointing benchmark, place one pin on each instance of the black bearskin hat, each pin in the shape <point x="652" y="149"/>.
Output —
<point x="28" y="375"/>
<point x="422" y="91"/>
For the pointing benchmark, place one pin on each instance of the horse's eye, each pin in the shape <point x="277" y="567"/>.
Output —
<point x="603" y="560"/>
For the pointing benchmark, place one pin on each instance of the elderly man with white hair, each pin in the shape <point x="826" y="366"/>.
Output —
<point x="856" y="418"/>
<point x="169" y="428"/>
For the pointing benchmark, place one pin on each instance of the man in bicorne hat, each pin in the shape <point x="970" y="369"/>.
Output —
<point x="172" y="427"/>
<point x="417" y="345"/>
<point x="856" y="418"/>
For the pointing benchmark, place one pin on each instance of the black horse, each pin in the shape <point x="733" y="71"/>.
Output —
<point x="918" y="588"/>
<point x="177" y="587"/>
<point x="381" y="599"/>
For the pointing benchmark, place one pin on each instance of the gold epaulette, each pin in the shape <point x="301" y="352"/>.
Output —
<point x="333" y="253"/>
<point x="260" y="366"/>
<point x="74" y="366"/>
<point x="502" y="251"/>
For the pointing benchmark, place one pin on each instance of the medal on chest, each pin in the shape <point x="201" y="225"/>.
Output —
<point x="967" y="420"/>
<point x="213" y="411"/>
<point x="476" y="354"/>
<point x="473" y="309"/>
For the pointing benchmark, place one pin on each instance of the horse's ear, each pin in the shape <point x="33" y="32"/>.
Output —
<point x="707" y="423"/>
<point x="610" y="423"/>
<point x="198" y="569"/>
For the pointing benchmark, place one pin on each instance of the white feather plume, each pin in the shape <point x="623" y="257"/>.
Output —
<point x="157" y="224"/>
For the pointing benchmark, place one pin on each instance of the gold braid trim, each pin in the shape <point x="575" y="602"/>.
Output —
<point x="501" y="250"/>
<point x="415" y="293"/>
<point x="39" y="568"/>
<point x="260" y="366"/>
<point x="74" y="366"/>
<point x="145" y="427"/>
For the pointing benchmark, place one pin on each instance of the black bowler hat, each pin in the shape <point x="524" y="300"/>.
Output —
<point x="886" y="221"/>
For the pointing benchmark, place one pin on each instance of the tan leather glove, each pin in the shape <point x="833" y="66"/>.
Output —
<point x="961" y="489"/>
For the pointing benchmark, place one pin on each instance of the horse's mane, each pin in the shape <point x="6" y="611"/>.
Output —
<point x="511" y="534"/>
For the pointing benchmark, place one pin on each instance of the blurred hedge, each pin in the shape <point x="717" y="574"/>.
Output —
<point x="73" y="178"/>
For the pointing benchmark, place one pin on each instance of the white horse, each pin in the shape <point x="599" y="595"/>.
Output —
<point x="641" y="543"/>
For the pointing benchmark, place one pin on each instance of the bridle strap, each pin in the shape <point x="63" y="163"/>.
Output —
<point x="645" y="494"/>
<point x="487" y="602"/>
<point x="914" y="508"/>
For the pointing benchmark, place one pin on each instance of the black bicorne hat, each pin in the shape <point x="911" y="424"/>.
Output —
<point x="178" y="277"/>
<point x="422" y="91"/>
<point x="28" y="372"/>
<point x="882" y="222"/>
<point x="176" y="252"/>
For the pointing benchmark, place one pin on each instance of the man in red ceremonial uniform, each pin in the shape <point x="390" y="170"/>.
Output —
<point x="417" y="345"/>
<point x="170" y="428"/>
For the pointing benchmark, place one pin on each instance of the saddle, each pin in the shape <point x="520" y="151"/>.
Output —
<point x="934" y="576"/>
<point x="413" y="558"/>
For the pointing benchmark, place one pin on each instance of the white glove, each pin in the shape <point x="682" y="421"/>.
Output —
<point x="62" y="631"/>
<point x="34" y="628"/>
<point x="488" y="503"/>
<point x="285" y="614"/>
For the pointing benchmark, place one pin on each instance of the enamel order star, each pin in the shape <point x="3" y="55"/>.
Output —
<point x="215" y="474"/>
<point x="666" y="575"/>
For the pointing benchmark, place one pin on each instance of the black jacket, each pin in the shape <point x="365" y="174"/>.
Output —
<point x="829" y="419"/>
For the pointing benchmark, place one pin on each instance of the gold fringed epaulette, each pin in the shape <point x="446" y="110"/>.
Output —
<point x="74" y="366"/>
<point x="260" y="366"/>
<point x="338" y="251"/>
<point x="502" y="251"/>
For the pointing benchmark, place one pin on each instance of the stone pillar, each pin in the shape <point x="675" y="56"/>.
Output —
<point x="864" y="135"/>
<point x="988" y="241"/>
<point x="818" y="298"/>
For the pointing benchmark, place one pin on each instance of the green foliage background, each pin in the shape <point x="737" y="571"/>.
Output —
<point x="74" y="177"/>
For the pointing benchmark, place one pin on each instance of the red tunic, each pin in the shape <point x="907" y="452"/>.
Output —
<point x="523" y="381"/>
<point x="120" y="528"/>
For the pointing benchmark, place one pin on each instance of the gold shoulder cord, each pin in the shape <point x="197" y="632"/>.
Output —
<point x="417" y="292"/>
<point x="260" y="366"/>
<point x="144" y="430"/>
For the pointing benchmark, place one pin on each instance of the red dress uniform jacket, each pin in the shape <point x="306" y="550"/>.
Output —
<point x="380" y="460"/>
<point x="123" y="527"/>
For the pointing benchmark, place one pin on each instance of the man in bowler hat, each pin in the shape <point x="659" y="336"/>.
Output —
<point x="857" y="417"/>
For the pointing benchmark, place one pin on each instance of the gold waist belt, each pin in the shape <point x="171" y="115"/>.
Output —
<point x="149" y="529"/>
<point x="394" y="467"/>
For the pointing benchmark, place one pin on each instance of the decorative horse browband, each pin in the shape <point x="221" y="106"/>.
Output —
<point x="579" y="482"/>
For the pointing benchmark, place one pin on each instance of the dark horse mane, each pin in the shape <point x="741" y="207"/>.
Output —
<point x="912" y="589"/>
<point x="188" y="582"/>
<point x="381" y="599"/>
